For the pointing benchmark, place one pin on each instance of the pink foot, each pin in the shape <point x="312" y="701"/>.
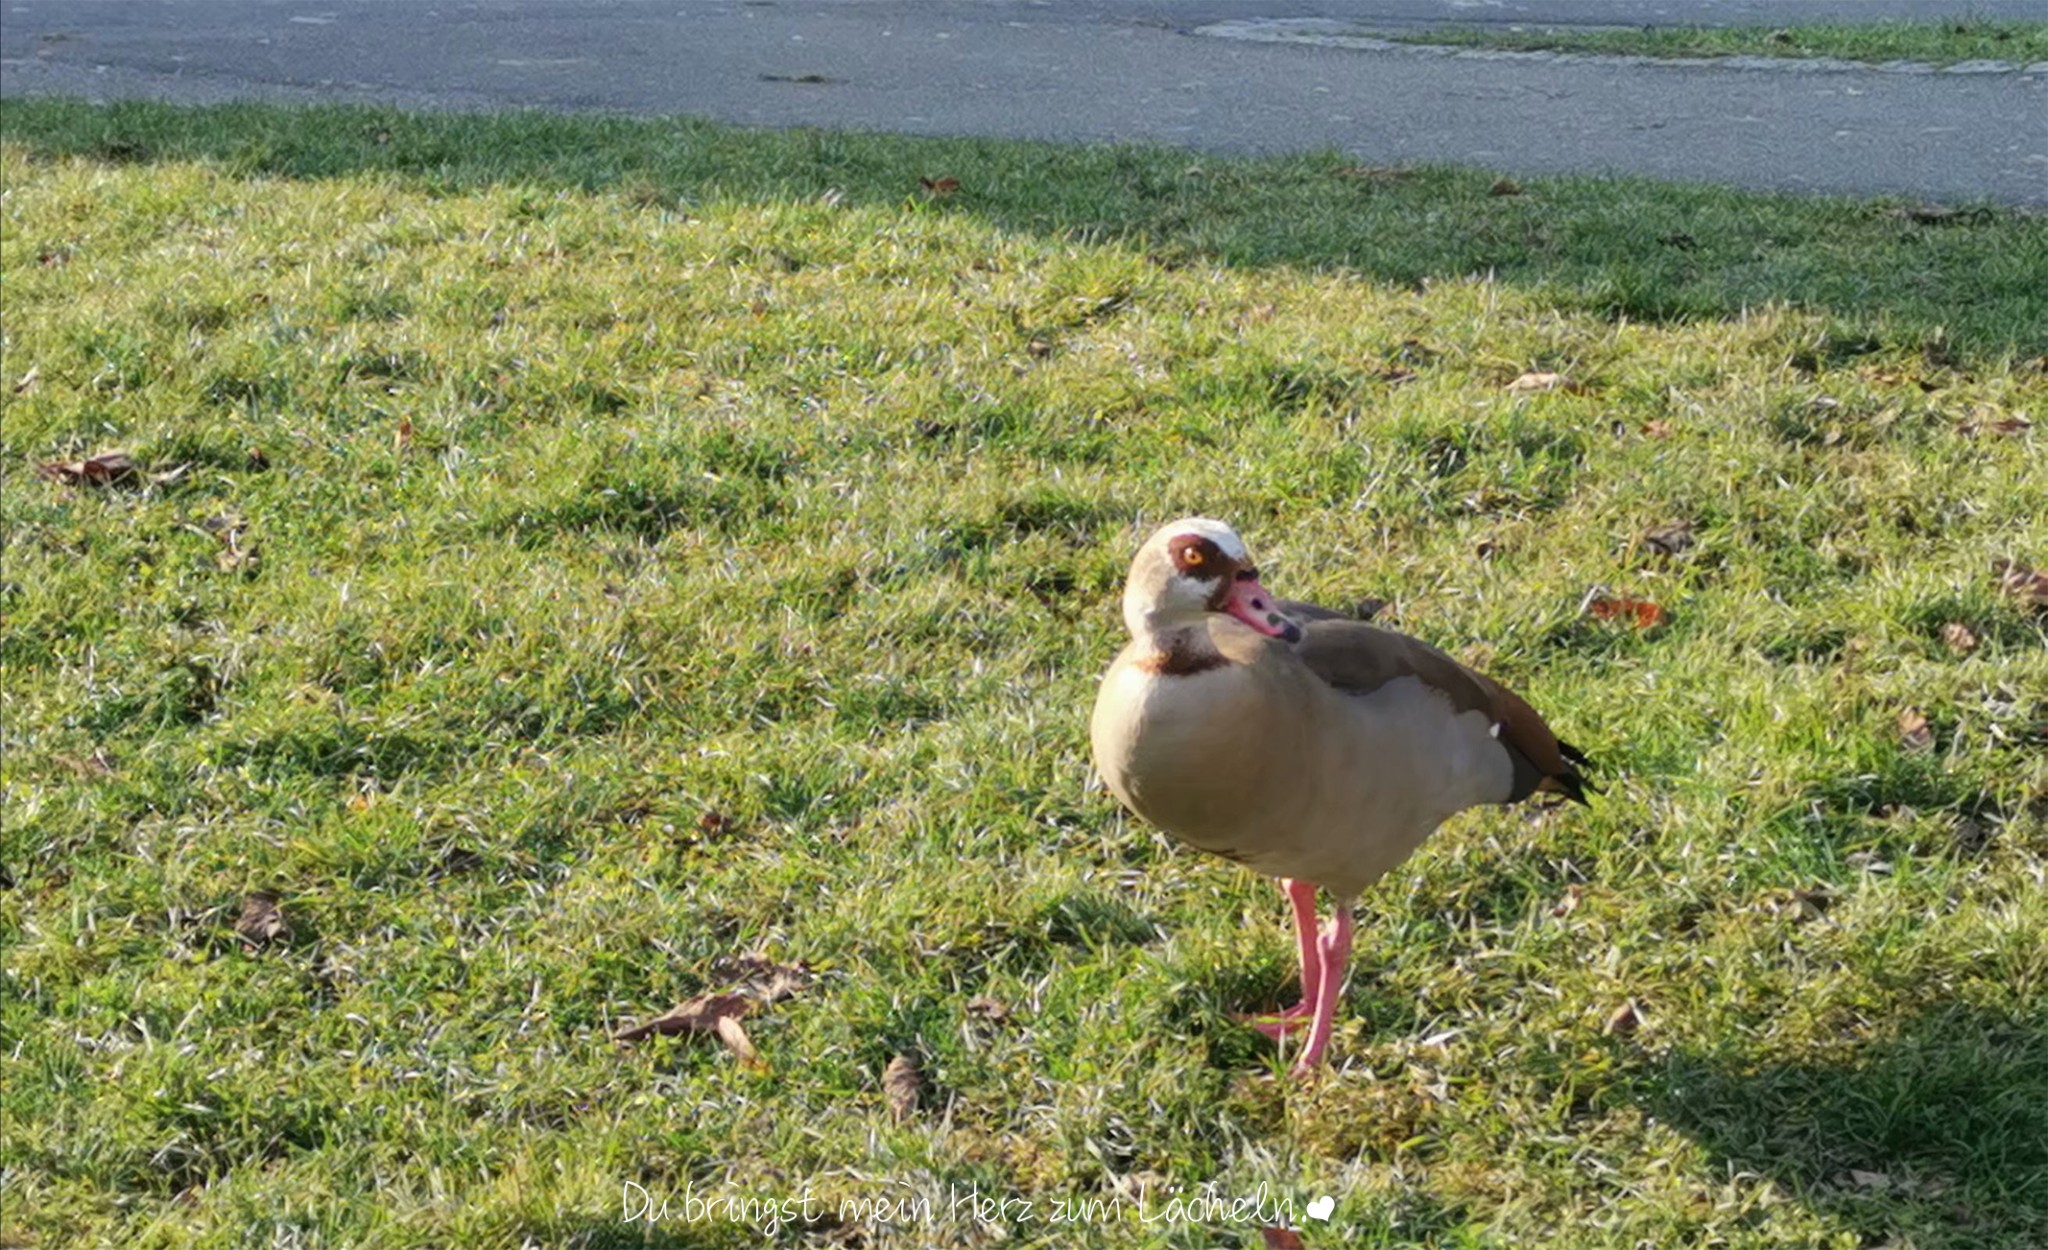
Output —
<point x="1277" y="1025"/>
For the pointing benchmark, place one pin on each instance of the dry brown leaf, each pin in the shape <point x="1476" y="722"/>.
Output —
<point x="402" y="441"/>
<point x="697" y="1015"/>
<point x="262" y="918"/>
<point x="712" y="823"/>
<point x="761" y="978"/>
<point x="939" y="188"/>
<point x="1670" y="540"/>
<point x="988" y="1008"/>
<point x="901" y="1085"/>
<point x="1569" y="903"/>
<point x="1641" y="613"/>
<point x="108" y="468"/>
<point x="1958" y="638"/>
<point x="1657" y="429"/>
<point x="92" y="767"/>
<point x="1277" y="1238"/>
<point x="1914" y="732"/>
<point x="1985" y="419"/>
<point x="2027" y="585"/>
<point x="1537" y="381"/>
<point x="736" y="1040"/>
<point x="1377" y="173"/>
<point x="1623" y="1020"/>
<point x="1505" y="186"/>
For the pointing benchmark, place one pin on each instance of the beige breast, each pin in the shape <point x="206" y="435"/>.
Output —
<point x="1259" y="759"/>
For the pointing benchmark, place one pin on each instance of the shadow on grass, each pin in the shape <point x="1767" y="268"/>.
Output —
<point x="1974" y="282"/>
<point x="1935" y="1135"/>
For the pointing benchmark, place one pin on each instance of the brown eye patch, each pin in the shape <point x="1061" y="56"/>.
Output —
<point x="1198" y="557"/>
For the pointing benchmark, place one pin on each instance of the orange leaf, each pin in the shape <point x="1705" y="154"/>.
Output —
<point x="939" y="187"/>
<point x="1642" y="613"/>
<point x="1656" y="429"/>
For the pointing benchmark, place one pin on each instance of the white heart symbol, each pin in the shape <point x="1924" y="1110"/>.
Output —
<point x="1320" y="1208"/>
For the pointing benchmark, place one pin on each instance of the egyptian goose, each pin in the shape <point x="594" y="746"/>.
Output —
<point x="1301" y="744"/>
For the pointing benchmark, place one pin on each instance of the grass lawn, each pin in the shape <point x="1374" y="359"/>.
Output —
<point x="1945" y="42"/>
<point x="578" y="564"/>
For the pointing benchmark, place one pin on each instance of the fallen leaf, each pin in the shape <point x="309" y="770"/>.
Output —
<point x="1913" y="731"/>
<point x="1486" y="549"/>
<point x="713" y="823"/>
<point x="262" y="918"/>
<point x="1505" y="186"/>
<point x="109" y="468"/>
<point x="98" y="764"/>
<point x="1623" y="1020"/>
<point x="1377" y="173"/>
<point x="1569" y="903"/>
<point x="1670" y="540"/>
<point x="1959" y="638"/>
<point x="901" y="1085"/>
<point x="1280" y="1238"/>
<point x="1642" y="613"/>
<point x="2027" y="585"/>
<point x="938" y="188"/>
<point x="402" y="440"/>
<point x="1539" y="381"/>
<point x="760" y="978"/>
<point x="991" y="1009"/>
<point x="1987" y="420"/>
<point x="1657" y="429"/>
<point x="1039" y="347"/>
<point x="27" y="381"/>
<point x="736" y="1040"/>
<point x="697" y="1015"/>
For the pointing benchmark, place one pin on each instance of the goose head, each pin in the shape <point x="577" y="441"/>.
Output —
<point x="1192" y="567"/>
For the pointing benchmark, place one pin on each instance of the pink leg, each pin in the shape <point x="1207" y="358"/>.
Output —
<point x="1303" y="896"/>
<point x="1335" y="953"/>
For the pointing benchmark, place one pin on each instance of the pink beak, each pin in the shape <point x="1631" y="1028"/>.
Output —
<point x="1254" y="605"/>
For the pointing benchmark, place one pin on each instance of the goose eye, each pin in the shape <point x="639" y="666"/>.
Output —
<point x="1192" y="557"/>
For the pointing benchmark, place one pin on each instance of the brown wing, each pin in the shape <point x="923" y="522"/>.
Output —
<point x="1361" y="658"/>
<point x="1302" y="613"/>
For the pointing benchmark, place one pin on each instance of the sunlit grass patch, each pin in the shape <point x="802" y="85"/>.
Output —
<point x="573" y="588"/>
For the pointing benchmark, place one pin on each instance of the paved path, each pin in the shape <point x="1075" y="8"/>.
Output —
<point x="1093" y="70"/>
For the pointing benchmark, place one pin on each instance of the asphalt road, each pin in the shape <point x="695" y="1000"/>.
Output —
<point x="1096" y="70"/>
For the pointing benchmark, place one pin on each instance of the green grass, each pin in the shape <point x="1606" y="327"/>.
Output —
<point x="605" y="474"/>
<point x="1945" y="42"/>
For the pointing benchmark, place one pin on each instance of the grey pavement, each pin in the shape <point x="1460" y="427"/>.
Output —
<point x="1209" y="74"/>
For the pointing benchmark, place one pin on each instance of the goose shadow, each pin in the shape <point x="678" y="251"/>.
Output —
<point x="1933" y="1135"/>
